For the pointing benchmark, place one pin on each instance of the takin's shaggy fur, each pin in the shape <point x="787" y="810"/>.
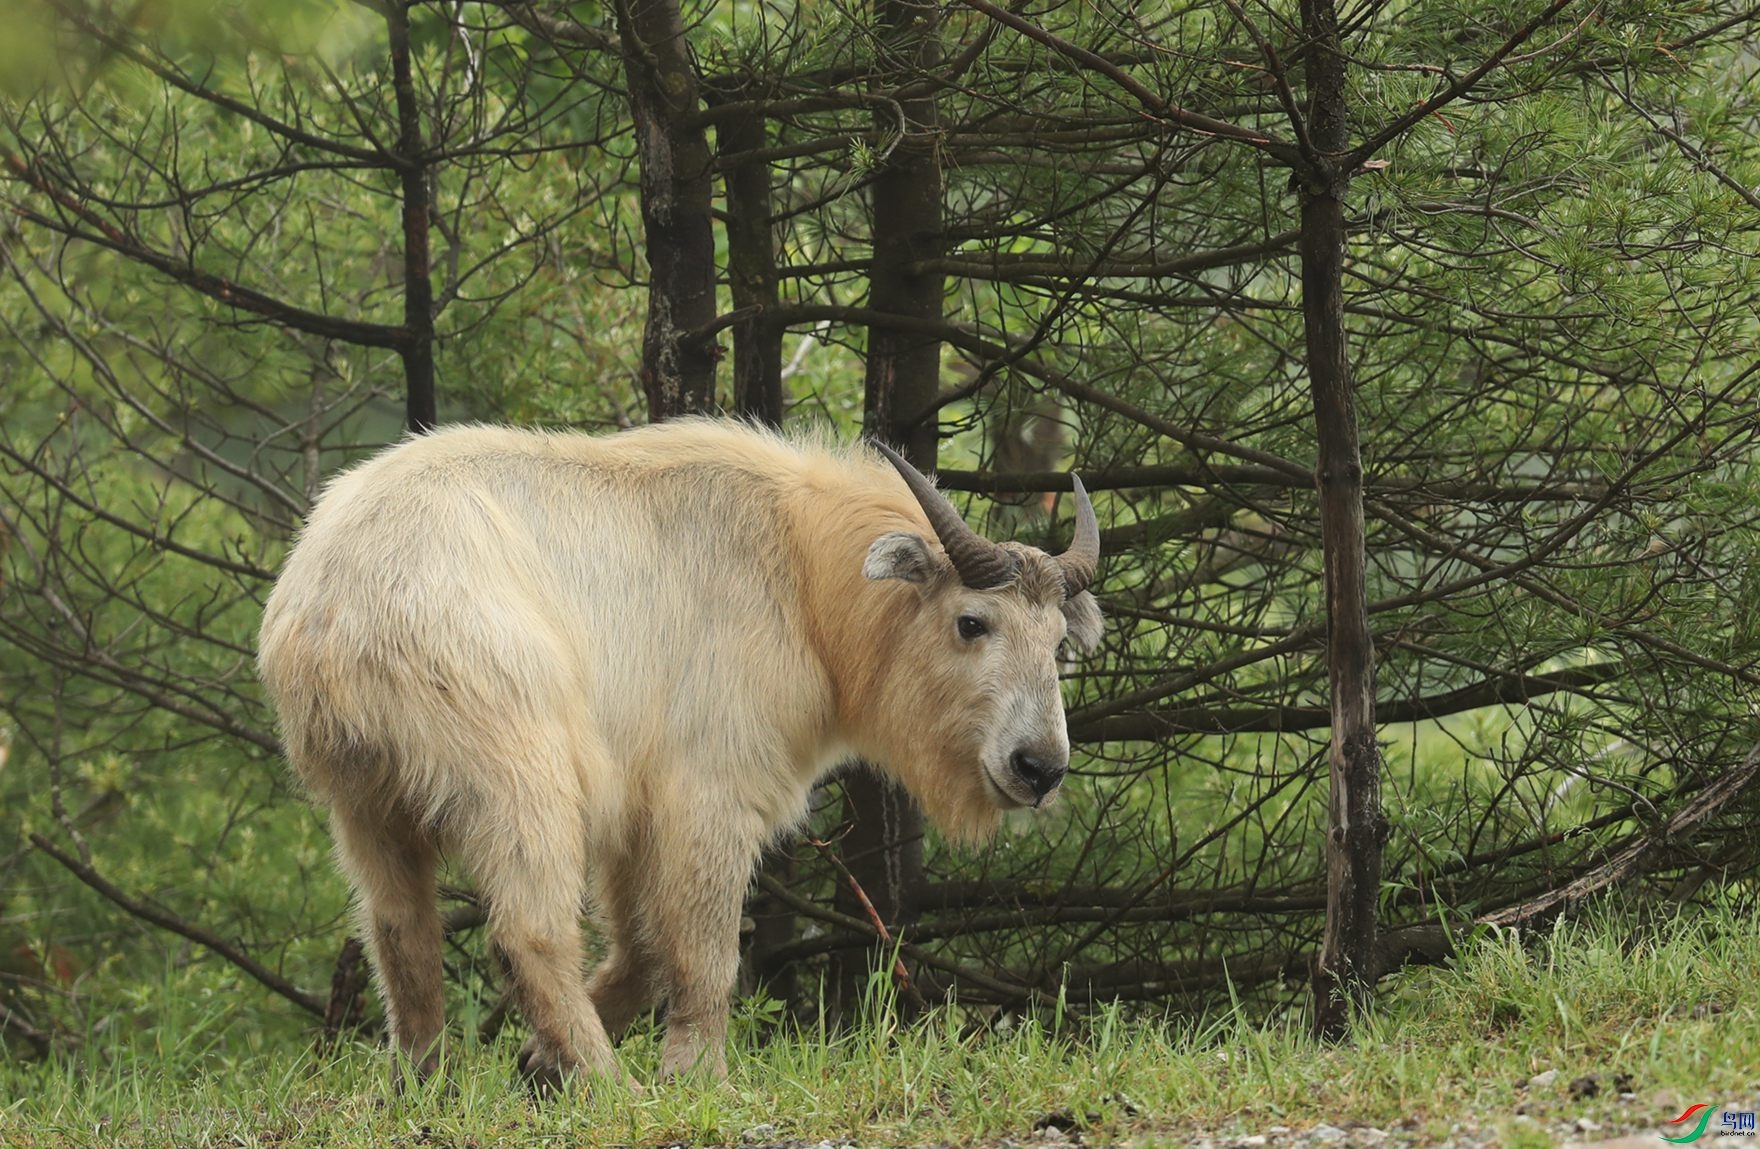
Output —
<point x="608" y="670"/>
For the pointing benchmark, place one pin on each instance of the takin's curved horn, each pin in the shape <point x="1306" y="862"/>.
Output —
<point x="1079" y="562"/>
<point x="982" y="565"/>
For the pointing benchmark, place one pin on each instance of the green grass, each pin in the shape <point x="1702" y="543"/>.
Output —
<point x="1672" y="1004"/>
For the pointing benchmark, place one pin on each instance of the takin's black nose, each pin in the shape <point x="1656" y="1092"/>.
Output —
<point x="1041" y="775"/>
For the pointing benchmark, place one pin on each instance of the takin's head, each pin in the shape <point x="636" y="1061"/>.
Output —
<point x="982" y="707"/>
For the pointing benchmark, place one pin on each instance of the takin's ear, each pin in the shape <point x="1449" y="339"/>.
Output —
<point x="1082" y="614"/>
<point x="899" y="555"/>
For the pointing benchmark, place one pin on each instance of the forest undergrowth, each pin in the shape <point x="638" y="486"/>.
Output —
<point x="1613" y="1022"/>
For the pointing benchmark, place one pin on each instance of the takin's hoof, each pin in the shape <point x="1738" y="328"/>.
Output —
<point x="548" y="1072"/>
<point x="544" y="1070"/>
<point x="703" y="1068"/>
<point x="409" y="1076"/>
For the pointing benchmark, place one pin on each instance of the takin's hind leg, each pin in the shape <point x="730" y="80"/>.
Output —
<point x="530" y="868"/>
<point x="390" y="861"/>
<point x="699" y="869"/>
<point x="624" y="984"/>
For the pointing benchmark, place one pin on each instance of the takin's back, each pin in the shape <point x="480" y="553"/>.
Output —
<point x="622" y="609"/>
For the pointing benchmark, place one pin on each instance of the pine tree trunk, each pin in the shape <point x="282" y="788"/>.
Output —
<point x="751" y="265"/>
<point x="1356" y="828"/>
<point x="678" y="358"/>
<point x="421" y="407"/>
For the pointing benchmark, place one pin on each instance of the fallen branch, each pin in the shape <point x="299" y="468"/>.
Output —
<point x="1716" y="794"/>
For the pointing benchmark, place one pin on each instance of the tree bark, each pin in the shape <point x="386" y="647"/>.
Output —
<point x="678" y="356"/>
<point x="884" y="846"/>
<point x="904" y="365"/>
<point x="751" y="266"/>
<point x="1344" y="974"/>
<point x="421" y="411"/>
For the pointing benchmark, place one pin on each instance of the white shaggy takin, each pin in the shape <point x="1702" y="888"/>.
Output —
<point x="606" y="670"/>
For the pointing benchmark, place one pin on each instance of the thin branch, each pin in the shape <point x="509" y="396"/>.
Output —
<point x="900" y="975"/>
<point x="1367" y="149"/>
<point x="966" y="339"/>
<point x="809" y="908"/>
<point x="312" y="1003"/>
<point x="105" y="234"/>
<point x="1232" y="475"/>
<point x="41" y="1042"/>
<point x="557" y="28"/>
<point x="1155" y="104"/>
<point x="1508" y="690"/>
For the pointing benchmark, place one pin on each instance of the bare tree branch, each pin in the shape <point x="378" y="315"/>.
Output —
<point x="312" y="1003"/>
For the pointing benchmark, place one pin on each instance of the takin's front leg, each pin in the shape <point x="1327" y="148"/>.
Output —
<point x="699" y="873"/>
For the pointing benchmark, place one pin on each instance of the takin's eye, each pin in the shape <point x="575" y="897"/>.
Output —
<point x="971" y="627"/>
